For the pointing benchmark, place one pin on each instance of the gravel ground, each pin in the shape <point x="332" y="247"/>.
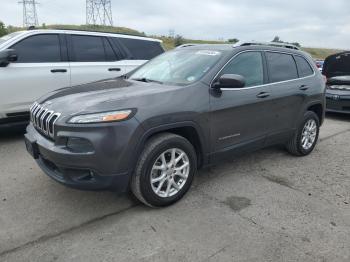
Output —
<point x="266" y="206"/>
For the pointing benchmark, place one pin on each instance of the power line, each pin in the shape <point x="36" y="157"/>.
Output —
<point x="99" y="12"/>
<point x="30" y="15"/>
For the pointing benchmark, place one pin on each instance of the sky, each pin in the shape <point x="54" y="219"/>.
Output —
<point x="313" y="23"/>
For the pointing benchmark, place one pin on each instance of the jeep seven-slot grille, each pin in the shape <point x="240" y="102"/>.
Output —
<point x="43" y="119"/>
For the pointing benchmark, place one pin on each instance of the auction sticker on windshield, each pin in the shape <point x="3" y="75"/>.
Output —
<point x="208" y="52"/>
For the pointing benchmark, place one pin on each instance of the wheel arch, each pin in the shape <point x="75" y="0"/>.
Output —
<point x="318" y="109"/>
<point x="189" y="130"/>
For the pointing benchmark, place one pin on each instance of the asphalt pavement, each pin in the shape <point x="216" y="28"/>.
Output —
<point x="265" y="206"/>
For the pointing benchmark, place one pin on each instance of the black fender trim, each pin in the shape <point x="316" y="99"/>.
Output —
<point x="313" y="103"/>
<point x="164" y="128"/>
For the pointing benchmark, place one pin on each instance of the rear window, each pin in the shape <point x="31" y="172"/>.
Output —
<point x="91" y="49"/>
<point x="281" y="66"/>
<point x="304" y="67"/>
<point x="142" y="49"/>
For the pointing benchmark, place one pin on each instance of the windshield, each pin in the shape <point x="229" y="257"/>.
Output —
<point x="8" y="37"/>
<point x="178" y="67"/>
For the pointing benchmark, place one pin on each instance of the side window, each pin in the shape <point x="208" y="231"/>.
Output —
<point x="110" y="55"/>
<point x="142" y="49"/>
<point x="282" y="67"/>
<point x="88" y="48"/>
<point x="38" y="49"/>
<point x="249" y="65"/>
<point x="304" y="67"/>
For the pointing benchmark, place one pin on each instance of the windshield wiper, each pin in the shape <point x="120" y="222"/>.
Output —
<point x="147" y="80"/>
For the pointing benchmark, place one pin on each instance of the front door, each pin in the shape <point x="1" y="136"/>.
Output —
<point x="238" y="115"/>
<point x="38" y="70"/>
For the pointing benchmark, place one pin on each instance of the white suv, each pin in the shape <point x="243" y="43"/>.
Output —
<point x="35" y="62"/>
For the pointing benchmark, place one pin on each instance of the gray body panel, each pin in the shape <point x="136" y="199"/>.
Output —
<point x="225" y="122"/>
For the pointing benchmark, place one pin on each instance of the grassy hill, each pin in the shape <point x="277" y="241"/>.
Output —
<point x="168" y="43"/>
<point x="320" y="53"/>
<point x="110" y="29"/>
<point x="316" y="53"/>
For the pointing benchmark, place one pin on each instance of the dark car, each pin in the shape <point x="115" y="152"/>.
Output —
<point x="186" y="109"/>
<point x="337" y="70"/>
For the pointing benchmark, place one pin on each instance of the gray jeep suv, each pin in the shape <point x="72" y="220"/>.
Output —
<point x="185" y="109"/>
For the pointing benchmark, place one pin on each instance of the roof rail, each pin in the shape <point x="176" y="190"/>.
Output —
<point x="92" y="31"/>
<point x="284" y="45"/>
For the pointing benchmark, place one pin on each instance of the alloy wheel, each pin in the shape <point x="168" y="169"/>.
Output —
<point x="309" y="133"/>
<point x="170" y="172"/>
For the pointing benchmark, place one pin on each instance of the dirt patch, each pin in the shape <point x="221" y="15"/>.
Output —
<point x="237" y="203"/>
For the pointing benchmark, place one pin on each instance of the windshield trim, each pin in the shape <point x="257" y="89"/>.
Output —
<point x="10" y="36"/>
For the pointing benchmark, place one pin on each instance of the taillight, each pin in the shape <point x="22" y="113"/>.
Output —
<point x="324" y="78"/>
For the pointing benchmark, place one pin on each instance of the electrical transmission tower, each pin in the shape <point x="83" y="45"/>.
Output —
<point x="99" y="12"/>
<point x="30" y="16"/>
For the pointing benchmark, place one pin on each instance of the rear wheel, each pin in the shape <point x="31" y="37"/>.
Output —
<point x="164" y="171"/>
<point x="305" y="138"/>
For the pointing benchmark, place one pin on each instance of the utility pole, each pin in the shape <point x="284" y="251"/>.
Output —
<point x="172" y="33"/>
<point x="30" y="15"/>
<point x="99" y="12"/>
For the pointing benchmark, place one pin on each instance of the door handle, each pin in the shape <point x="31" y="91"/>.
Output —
<point x="59" y="71"/>
<point x="114" y="69"/>
<point x="303" y="87"/>
<point x="263" y="95"/>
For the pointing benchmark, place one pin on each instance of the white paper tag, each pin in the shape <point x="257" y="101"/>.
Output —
<point x="208" y="52"/>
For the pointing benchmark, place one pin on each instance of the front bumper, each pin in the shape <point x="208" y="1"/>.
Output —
<point x="83" y="179"/>
<point x="338" y="101"/>
<point x="99" y="169"/>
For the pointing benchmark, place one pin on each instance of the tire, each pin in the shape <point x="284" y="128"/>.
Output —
<point x="296" y="146"/>
<point x="151" y="165"/>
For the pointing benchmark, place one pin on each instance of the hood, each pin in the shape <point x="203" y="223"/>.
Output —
<point x="106" y="95"/>
<point x="337" y="65"/>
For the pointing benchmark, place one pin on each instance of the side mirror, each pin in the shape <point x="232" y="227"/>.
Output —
<point x="7" y="56"/>
<point x="230" y="81"/>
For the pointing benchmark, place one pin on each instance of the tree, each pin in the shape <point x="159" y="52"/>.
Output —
<point x="179" y="40"/>
<point x="277" y="40"/>
<point x="233" y="40"/>
<point x="3" y="30"/>
<point x="296" y="44"/>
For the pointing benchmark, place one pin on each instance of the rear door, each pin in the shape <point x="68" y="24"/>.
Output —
<point x="288" y="92"/>
<point x="93" y="58"/>
<point x="41" y="67"/>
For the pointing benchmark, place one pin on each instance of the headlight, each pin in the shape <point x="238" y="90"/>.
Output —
<point x="101" y="117"/>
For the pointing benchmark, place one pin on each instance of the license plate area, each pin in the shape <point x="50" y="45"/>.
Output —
<point x="32" y="147"/>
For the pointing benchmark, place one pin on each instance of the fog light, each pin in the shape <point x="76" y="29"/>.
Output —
<point x="79" y="145"/>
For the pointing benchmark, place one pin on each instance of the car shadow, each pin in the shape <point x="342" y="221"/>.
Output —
<point x="12" y="133"/>
<point x="338" y="116"/>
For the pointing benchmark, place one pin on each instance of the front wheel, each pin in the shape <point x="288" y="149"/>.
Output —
<point x="164" y="171"/>
<point x="305" y="138"/>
